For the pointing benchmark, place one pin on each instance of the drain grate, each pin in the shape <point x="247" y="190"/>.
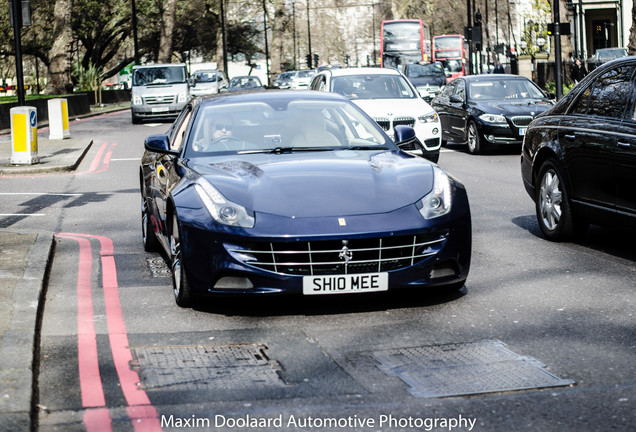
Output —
<point x="463" y="369"/>
<point x="158" y="267"/>
<point x="242" y="366"/>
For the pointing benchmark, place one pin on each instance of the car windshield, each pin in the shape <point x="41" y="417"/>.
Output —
<point x="159" y="75"/>
<point x="202" y="77"/>
<point x="306" y="73"/>
<point x="280" y="126"/>
<point x="372" y="86"/>
<point x="611" y="54"/>
<point x="504" y="89"/>
<point x="428" y="70"/>
<point x="245" y="82"/>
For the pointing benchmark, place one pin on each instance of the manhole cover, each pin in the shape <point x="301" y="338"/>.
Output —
<point x="222" y="367"/>
<point x="158" y="267"/>
<point x="463" y="369"/>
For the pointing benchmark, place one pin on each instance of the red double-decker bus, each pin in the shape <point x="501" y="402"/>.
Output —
<point x="404" y="41"/>
<point x="452" y="52"/>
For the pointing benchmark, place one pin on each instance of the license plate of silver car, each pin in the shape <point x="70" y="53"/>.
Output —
<point x="345" y="284"/>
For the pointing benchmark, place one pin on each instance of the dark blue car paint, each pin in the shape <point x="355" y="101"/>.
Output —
<point x="300" y="196"/>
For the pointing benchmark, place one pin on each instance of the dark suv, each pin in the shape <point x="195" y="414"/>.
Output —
<point x="578" y="161"/>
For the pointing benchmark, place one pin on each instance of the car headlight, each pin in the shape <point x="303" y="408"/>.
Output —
<point x="438" y="201"/>
<point x="136" y="100"/>
<point x="182" y="97"/>
<point x="223" y="211"/>
<point x="429" y="118"/>
<point x="493" y="118"/>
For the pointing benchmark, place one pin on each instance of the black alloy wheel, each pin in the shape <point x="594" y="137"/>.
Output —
<point x="180" y="287"/>
<point x="150" y="242"/>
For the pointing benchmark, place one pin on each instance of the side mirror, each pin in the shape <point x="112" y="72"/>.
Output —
<point x="192" y="81"/>
<point x="456" y="99"/>
<point x="405" y="138"/>
<point x="159" y="144"/>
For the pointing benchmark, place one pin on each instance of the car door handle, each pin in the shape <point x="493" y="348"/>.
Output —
<point x="624" y="145"/>
<point x="570" y="137"/>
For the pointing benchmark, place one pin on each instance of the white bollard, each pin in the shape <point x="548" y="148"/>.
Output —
<point x="24" y="135"/>
<point x="58" y="119"/>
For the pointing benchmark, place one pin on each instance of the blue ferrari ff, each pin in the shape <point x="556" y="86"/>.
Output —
<point x="290" y="192"/>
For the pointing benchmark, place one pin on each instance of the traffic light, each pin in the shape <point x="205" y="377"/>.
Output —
<point x="308" y="59"/>
<point x="478" y="17"/>
<point x="315" y="60"/>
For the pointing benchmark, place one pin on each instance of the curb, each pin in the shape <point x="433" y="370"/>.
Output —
<point x="19" y="349"/>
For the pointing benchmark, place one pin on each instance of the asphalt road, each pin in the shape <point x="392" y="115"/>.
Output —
<point x="558" y="316"/>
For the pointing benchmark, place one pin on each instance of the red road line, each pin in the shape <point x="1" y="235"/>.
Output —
<point x="143" y="415"/>
<point x="96" y="159"/>
<point x="88" y="362"/>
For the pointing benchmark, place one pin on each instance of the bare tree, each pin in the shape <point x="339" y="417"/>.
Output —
<point x="168" y="10"/>
<point x="59" y="77"/>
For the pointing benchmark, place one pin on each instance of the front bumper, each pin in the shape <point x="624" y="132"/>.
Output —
<point x="501" y="134"/>
<point x="230" y="264"/>
<point x="157" y="110"/>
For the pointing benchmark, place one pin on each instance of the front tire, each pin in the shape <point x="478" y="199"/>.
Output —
<point x="474" y="142"/>
<point x="150" y="242"/>
<point x="180" y="287"/>
<point x="552" y="204"/>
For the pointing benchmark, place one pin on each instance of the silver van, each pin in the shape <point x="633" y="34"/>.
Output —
<point x="158" y="90"/>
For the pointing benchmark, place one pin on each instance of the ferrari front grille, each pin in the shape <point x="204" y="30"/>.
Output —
<point x="339" y="256"/>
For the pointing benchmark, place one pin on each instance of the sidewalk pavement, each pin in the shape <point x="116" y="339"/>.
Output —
<point x="24" y="262"/>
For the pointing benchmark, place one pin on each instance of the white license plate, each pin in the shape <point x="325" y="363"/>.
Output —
<point x="522" y="131"/>
<point x="345" y="284"/>
<point x="160" y="109"/>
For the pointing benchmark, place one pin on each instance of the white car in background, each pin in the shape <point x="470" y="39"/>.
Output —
<point x="302" y="79"/>
<point x="390" y="99"/>
<point x="207" y="81"/>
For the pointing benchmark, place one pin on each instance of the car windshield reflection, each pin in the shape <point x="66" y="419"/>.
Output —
<point x="504" y="89"/>
<point x="259" y="127"/>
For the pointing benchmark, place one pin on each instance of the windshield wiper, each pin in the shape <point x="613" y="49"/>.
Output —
<point x="280" y="150"/>
<point x="367" y="147"/>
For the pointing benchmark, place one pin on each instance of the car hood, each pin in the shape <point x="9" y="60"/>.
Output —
<point x="393" y="107"/>
<point x="342" y="183"/>
<point x="514" y="107"/>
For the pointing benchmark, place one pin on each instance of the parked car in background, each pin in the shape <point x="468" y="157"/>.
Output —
<point x="603" y="55"/>
<point x="302" y="78"/>
<point x="207" y="81"/>
<point x="390" y="99"/>
<point x="246" y="82"/>
<point x="158" y="91"/>
<point x="429" y="79"/>
<point x="284" y="79"/>
<point x="489" y="110"/>
<point x="579" y="158"/>
<point x="302" y="194"/>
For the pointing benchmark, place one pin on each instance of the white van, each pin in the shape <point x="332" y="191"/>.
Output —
<point x="158" y="90"/>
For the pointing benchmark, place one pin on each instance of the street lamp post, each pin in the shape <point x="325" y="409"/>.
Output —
<point x="308" y="37"/>
<point x="17" y="26"/>
<point x="375" y="53"/>
<point x="134" y="26"/>
<point x="266" y="48"/>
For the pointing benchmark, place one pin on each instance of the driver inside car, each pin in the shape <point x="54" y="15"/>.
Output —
<point x="222" y="129"/>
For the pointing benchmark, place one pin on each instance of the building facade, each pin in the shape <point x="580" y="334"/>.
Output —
<point x="599" y="24"/>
